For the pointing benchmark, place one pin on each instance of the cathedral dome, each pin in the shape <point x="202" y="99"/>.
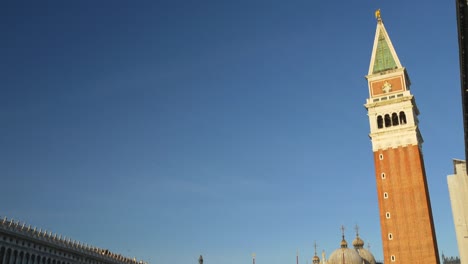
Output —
<point x="345" y="256"/>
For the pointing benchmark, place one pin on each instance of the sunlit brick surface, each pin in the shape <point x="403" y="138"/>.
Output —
<point x="410" y="223"/>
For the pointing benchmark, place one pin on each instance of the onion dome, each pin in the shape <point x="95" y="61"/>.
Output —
<point x="358" y="243"/>
<point x="344" y="244"/>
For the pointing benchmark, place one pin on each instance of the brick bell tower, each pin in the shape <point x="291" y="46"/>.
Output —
<point x="408" y="234"/>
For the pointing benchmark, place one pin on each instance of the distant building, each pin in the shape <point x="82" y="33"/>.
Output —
<point x="408" y="234"/>
<point x="450" y="260"/>
<point x="22" y="244"/>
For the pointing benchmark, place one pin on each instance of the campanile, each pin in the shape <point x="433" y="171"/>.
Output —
<point x="407" y="227"/>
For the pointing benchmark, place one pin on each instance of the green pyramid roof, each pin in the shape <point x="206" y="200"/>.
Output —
<point x="383" y="57"/>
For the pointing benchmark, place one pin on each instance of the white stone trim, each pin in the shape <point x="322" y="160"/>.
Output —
<point x="395" y="139"/>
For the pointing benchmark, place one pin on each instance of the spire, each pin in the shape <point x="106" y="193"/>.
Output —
<point x="344" y="244"/>
<point x="315" y="259"/>
<point x="384" y="57"/>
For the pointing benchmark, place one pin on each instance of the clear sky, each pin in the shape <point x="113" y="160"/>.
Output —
<point x="163" y="130"/>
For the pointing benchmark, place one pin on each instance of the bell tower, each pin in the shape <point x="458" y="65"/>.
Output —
<point x="407" y="227"/>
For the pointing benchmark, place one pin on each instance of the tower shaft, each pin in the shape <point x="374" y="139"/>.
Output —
<point x="408" y="234"/>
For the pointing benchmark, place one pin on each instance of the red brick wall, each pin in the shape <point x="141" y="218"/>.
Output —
<point x="408" y="203"/>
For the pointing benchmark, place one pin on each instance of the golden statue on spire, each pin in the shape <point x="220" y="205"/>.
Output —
<point x="377" y="14"/>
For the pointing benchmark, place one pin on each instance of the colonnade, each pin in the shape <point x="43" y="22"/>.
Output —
<point x="10" y="255"/>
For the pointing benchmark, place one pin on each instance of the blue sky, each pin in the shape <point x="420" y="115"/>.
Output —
<point x="168" y="129"/>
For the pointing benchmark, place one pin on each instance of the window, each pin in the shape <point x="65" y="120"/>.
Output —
<point x="390" y="236"/>
<point x="385" y="195"/>
<point x="380" y="156"/>
<point x="388" y="122"/>
<point x="394" y="119"/>
<point x="392" y="257"/>
<point x="379" y="122"/>
<point x="383" y="176"/>
<point x="387" y="215"/>
<point x="402" y="118"/>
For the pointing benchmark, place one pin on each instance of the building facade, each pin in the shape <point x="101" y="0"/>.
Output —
<point x="458" y="190"/>
<point x="21" y="244"/>
<point x="408" y="234"/>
